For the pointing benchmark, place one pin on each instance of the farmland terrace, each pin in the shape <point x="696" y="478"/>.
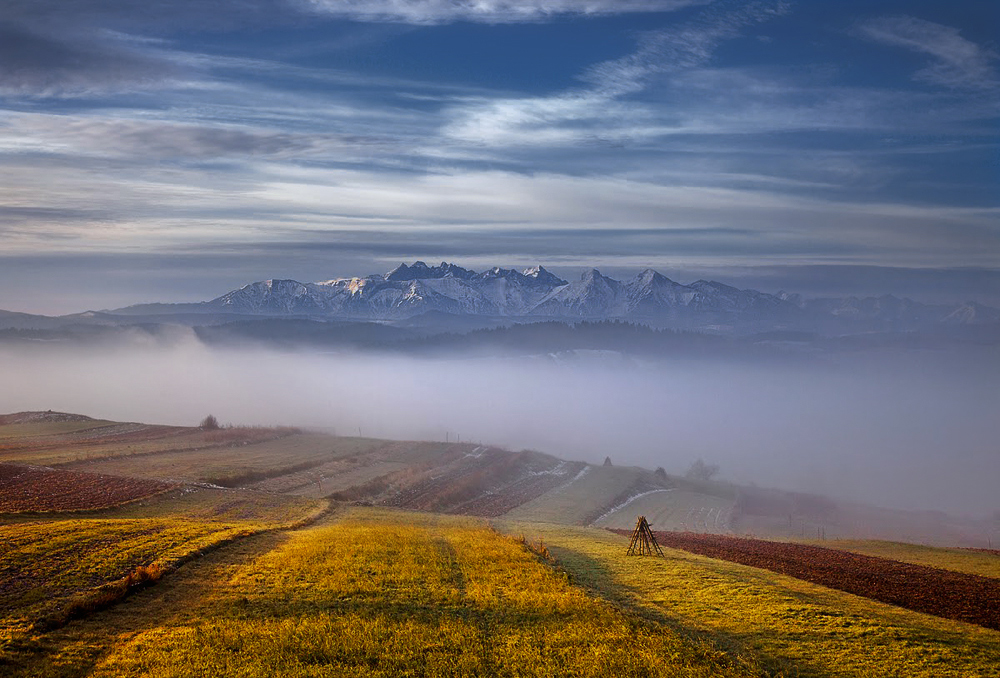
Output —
<point x="145" y="549"/>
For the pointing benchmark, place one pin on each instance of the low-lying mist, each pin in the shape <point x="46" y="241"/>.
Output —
<point x="914" y="430"/>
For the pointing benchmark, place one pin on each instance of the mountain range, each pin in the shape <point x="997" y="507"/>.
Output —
<point x="650" y="297"/>
<point x="450" y="297"/>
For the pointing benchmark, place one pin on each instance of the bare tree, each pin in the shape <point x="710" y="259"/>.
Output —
<point x="699" y="470"/>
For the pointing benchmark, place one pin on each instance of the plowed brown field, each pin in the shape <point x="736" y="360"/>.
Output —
<point x="953" y="595"/>
<point x="29" y="488"/>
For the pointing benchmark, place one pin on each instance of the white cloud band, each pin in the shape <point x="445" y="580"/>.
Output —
<point x="487" y="11"/>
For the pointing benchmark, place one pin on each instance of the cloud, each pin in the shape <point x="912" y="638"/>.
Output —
<point x="164" y="141"/>
<point x="67" y="48"/>
<point x="271" y="200"/>
<point x="162" y="13"/>
<point x="686" y="46"/>
<point x="957" y="62"/>
<point x="56" y="63"/>
<point x="428" y="12"/>
<point x="603" y="112"/>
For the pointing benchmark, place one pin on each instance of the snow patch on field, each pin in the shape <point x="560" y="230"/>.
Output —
<point x="557" y="470"/>
<point x="476" y="453"/>
<point x="625" y="503"/>
<point x="562" y="488"/>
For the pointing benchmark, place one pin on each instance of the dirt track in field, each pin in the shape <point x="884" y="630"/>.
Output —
<point x="943" y="593"/>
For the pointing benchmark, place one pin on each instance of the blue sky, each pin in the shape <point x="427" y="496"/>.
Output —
<point x="173" y="150"/>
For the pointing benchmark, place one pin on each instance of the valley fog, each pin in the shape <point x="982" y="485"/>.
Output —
<point x="913" y="430"/>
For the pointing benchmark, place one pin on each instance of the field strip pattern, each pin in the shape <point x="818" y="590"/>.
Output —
<point x="944" y="593"/>
<point x="793" y="627"/>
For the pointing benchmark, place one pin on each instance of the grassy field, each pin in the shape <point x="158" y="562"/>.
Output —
<point x="66" y="442"/>
<point x="793" y="626"/>
<point x="42" y="429"/>
<point x="959" y="560"/>
<point x="205" y="504"/>
<point x="573" y="502"/>
<point x="673" y="509"/>
<point x="235" y="464"/>
<point x="49" y="567"/>
<point x="379" y="593"/>
<point x="57" y="568"/>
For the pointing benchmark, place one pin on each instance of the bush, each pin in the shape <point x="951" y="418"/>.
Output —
<point x="209" y="423"/>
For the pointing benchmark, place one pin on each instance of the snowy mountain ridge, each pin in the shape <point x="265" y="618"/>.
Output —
<point x="409" y="290"/>
<point x="450" y="297"/>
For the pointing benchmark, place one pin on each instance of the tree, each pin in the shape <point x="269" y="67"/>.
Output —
<point x="699" y="470"/>
<point x="209" y="423"/>
<point x="607" y="461"/>
<point x="661" y="472"/>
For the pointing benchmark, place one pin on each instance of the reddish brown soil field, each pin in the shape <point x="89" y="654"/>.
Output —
<point x="953" y="595"/>
<point x="29" y="488"/>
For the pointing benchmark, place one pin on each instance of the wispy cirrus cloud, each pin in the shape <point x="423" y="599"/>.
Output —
<point x="428" y="12"/>
<point x="601" y="111"/>
<point x="59" y="62"/>
<point x="73" y="48"/>
<point x="65" y="48"/>
<point x="689" y="45"/>
<point x="235" y="13"/>
<point x="956" y="61"/>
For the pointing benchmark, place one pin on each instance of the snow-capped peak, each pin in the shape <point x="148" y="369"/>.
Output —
<point x="540" y="275"/>
<point x="421" y="271"/>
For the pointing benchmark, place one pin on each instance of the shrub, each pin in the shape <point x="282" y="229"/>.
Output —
<point x="209" y="423"/>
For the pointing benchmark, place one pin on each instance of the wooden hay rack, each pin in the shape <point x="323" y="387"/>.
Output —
<point x="643" y="542"/>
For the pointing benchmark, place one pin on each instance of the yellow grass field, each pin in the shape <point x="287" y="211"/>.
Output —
<point x="380" y="593"/>
<point x="793" y="626"/>
<point x="56" y="568"/>
<point x="48" y="565"/>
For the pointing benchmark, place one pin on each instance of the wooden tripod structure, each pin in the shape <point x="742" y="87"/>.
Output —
<point x="643" y="542"/>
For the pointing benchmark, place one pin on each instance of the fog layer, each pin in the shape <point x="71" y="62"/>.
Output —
<point x="913" y="430"/>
